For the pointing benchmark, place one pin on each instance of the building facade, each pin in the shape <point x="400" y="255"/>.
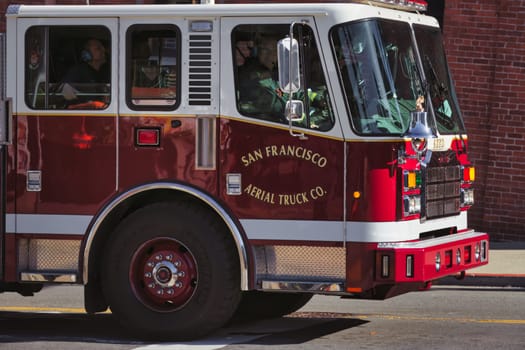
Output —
<point x="486" y="53"/>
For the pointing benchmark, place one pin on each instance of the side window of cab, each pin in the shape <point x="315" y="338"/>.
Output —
<point x="152" y="66"/>
<point x="67" y="67"/>
<point x="256" y="77"/>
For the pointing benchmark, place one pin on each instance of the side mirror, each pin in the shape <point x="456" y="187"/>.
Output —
<point x="288" y="61"/>
<point x="294" y="110"/>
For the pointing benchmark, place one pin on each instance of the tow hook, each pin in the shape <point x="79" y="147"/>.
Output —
<point x="461" y="275"/>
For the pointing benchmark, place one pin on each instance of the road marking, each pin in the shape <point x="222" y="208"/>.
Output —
<point x="447" y="319"/>
<point x="314" y="314"/>
<point x="68" y="310"/>
<point x="211" y="343"/>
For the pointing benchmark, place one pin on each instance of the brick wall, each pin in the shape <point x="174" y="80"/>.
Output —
<point x="486" y="51"/>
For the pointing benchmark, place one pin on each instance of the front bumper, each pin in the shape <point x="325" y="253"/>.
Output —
<point x="428" y="260"/>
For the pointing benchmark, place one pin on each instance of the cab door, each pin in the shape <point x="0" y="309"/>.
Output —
<point x="284" y="183"/>
<point x="65" y="149"/>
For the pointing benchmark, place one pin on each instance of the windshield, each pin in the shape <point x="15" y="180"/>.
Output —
<point x="379" y="72"/>
<point x="439" y="83"/>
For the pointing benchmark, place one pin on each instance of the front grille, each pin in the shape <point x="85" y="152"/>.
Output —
<point x="442" y="190"/>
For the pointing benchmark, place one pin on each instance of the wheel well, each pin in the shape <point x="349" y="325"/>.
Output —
<point x="93" y="296"/>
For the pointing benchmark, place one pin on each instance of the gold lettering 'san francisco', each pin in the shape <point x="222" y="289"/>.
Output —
<point x="252" y="157"/>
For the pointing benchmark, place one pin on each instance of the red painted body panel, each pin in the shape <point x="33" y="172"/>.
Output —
<point x="283" y="177"/>
<point x="77" y="176"/>
<point x="373" y="172"/>
<point x="79" y="173"/>
<point x="173" y="160"/>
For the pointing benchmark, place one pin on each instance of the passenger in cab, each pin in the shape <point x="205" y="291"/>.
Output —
<point x="259" y="92"/>
<point x="87" y="81"/>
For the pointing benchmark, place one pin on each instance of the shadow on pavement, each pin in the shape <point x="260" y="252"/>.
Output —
<point x="25" y="327"/>
<point x="481" y="281"/>
<point x="306" y="334"/>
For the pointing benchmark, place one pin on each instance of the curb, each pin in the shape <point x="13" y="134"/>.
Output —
<point x="503" y="275"/>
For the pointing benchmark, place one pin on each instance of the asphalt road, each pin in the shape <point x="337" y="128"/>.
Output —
<point x="446" y="317"/>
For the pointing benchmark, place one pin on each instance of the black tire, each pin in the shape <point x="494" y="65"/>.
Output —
<point x="259" y="305"/>
<point x="170" y="271"/>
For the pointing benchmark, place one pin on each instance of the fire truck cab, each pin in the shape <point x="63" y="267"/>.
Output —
<point x="190" y="163"/>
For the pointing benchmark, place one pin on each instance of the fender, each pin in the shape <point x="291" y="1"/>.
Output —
<point x="230" y="222"/>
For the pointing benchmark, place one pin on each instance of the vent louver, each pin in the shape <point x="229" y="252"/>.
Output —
<point x="200" y="65"/>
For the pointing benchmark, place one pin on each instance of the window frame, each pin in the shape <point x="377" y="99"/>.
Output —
<point x="151" y="27"/>
<point x="47" y="54"/>
<point x="241" y="27"/>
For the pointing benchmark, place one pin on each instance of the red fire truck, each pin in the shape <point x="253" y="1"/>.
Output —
<point x="190" y="163"/>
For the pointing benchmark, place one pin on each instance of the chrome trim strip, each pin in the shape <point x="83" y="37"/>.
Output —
<point x="47" y="224"/>
<point x="428" y="243"/>
<point x="205" y="143"/>
<point x="48" y="277"/>
<point x="318" y="287"/>
<point x="241" y="248"/>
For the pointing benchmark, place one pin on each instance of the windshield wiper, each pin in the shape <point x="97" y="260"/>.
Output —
<point x="438" y="95"/>
<point x="437" y="88"/>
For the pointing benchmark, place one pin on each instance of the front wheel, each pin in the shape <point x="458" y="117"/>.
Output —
<point x="171" y="271"/>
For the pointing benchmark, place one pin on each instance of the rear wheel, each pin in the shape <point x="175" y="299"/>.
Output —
<point x="171" y="271"/>
<point x="258" y="305"/>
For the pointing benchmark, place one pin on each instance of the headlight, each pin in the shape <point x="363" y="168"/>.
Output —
<point x="412" y="205"/>
<point x="467" y="196"/>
